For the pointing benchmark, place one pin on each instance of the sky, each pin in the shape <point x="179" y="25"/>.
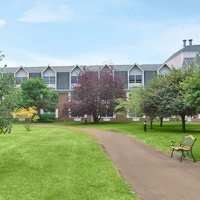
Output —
<point x="90" y="32"/>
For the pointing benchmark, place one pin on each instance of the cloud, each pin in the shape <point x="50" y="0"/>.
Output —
<point x="155" y="41"/>
<point x="2" y="23"/>
<point x="29" y="58"/>
<point x="47" y="13"/>
<point x="38" y="59"/>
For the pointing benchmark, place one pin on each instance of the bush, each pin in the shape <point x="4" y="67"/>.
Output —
<point x="47" y="117"/>
<point x="27" y="114"/>
<point x="5" y="125"/>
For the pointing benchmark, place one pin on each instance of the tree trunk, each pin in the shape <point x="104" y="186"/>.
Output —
<point x="183" y="123"/>
<point x="96" y="118"/>
<point x="151" y="123"/>
<point x="161" y="121"/>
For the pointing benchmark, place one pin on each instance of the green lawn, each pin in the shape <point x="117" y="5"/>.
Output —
<point x="54" y="162"/>
<point x="158" y="137"/>
<point x="57" y="163"/>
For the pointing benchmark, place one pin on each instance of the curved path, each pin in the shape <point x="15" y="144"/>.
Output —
<point x="152" y="174"/>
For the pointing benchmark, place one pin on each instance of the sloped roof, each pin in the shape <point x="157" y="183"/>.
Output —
<point x="62" y="68"/>
<point x="40" y="69"/>
<point x="114" y="67"/>
<point x="91" y="67"/>
<point x="122" y="67"/>
<point x="34" y="69"/>
<point x="9" y="69"/>
<point x="150" y="67"/>
<point x="189" y="48"/>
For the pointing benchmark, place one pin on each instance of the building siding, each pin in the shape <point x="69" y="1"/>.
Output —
<point x="149" y="75"/>
<point x="124" y="76"/>
<point x="62" y="80"/>
<point x="35" y="75"/>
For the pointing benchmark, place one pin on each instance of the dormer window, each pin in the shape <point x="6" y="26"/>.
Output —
<point x="135" y="78"/>
<point x="74" y="79"/>
<point x="20" y="75"/>
<point x="74" y="76"/>
<point x="49" y="79"/>
<point x="132" y="79"/>
<point x="19" y="80"/>
<point x="138" y="78"/>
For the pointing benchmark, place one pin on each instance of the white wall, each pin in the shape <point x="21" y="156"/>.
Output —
<point x="21" y="73"/>
<point x="178" y="60"/>
<point x="75" y="72"/>
<point x="48" y="72"/>
<point x="164" y="70"/>
<point x="135" y="71"/>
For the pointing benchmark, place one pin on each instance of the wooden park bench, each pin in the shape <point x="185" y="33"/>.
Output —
<point x="185" y="146"/>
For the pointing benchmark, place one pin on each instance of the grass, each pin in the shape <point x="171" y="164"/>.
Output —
<point x="158" y="137"/>
<point x="57" y="163"/>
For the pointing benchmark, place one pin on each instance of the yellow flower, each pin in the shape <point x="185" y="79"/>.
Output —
<point x="29" y="114"/>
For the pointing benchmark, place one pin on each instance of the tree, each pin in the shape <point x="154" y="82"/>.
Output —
<point x="131" y="105"/>
<point x="1" y="56"/>
<point x="191" y="87"/>
<point x="149" y="101"/>
<point x="165" y="96"/>
<point x="7" y="102"/>
<point x="36" y="94"/>
<point x="181" y="107"/>
<point x="95" y="95"/>
<point x="28" y="115"/>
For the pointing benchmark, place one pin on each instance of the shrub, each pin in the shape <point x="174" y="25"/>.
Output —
<point x="47" y="117"/>
<point x="27" y="115"/>
<point x="5" y="124"/>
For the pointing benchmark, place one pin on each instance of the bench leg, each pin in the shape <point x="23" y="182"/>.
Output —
<point x="182" y="155"/>
<point x="193" y="156"/>
<point x="172" y="152"/>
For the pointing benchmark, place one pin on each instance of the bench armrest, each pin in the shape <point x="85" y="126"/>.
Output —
<point x="173" y="143"/>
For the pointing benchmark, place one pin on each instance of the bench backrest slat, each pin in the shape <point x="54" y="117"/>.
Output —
<point x="188" y="141"/>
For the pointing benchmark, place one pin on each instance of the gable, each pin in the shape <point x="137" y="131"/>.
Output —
<point x="164" y="70"/>
<point x="48" y="72"/>
<point x="21" y="73"/>
<point x="135" y="70"/>
<point x="76" y="71"/>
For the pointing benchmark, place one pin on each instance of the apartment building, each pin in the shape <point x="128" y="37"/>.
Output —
<point x="63" y="78"/>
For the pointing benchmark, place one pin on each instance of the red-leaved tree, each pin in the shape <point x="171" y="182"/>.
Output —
<point x="95" y="94"/>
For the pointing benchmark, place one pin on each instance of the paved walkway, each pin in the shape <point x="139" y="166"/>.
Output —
<point x="152" y="174"/>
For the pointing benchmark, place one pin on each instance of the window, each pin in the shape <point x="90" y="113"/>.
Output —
<point x="135" y="78"/>
<point x="73" y="96"/>
<point x="52" y="79"/>
<point x="138" y="78"/>
<point x="132" y="79"/>
<point x="49" y="79"/>
<point x="46" y="80"/>
<point x="19" y="80"/>
<point x="74" y="79"/>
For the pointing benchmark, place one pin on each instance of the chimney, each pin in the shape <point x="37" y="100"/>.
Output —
<point x="184" y="43"/>
<point x="190" y="42"/>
